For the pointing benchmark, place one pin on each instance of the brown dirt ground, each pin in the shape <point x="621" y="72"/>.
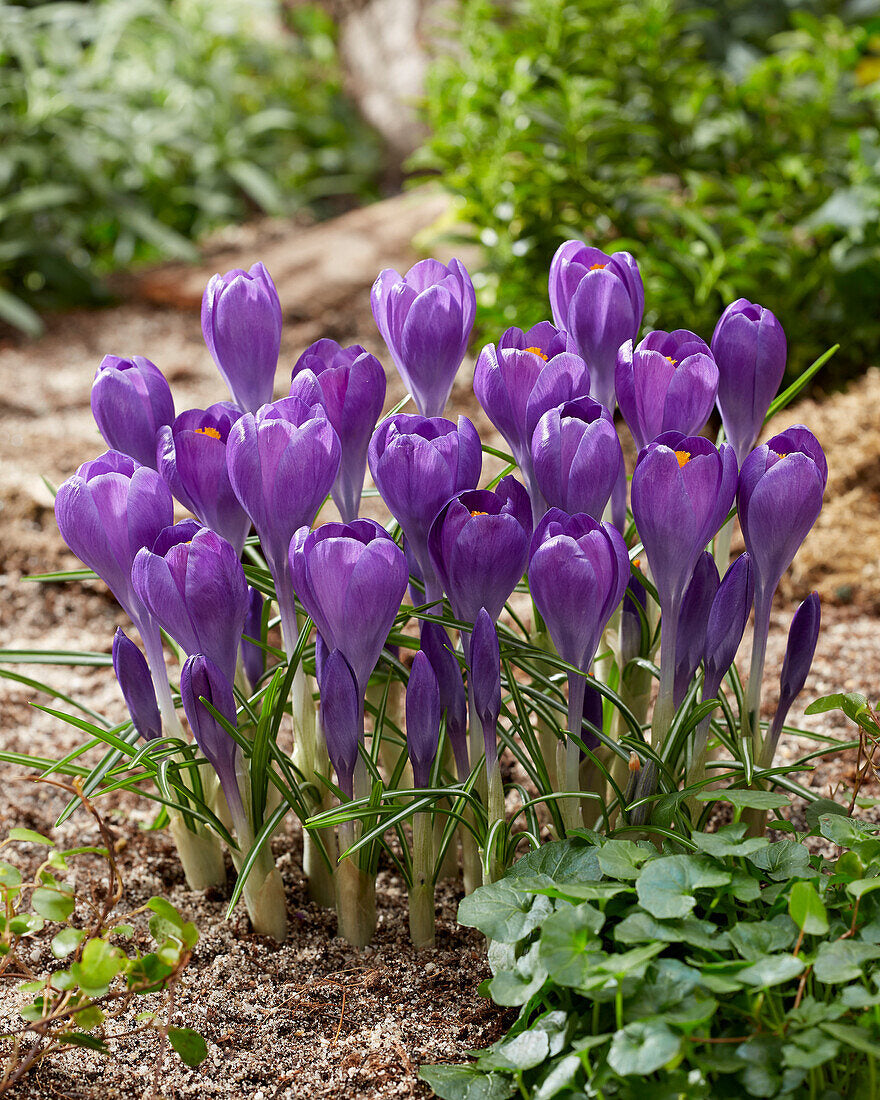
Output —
<point x="271" y="1015"/>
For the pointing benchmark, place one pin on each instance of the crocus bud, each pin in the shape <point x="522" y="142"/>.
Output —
<point x="692" y="622"/>
<point x="133" y="674"/>
<point x="479" y="546"/>
<point x="191" y="457"/>
<point x="282" y="462"/>
<point x="131" y="400"/>
<point x="350" y="578"/>
<point x="727" y="622"/>
<point x="106" y="512"/>
<point x="578" y="572"/>
<point x="779" y="499"/>
<point x="803" y="634"/>
<point x="351" y="387"/>
<point x="193" y="584"/>
<point x="517" y="382"/>
<point x="340" y="717"/>
<point x="418" y="463"/>
<point x="241" y="323"/>
<point x="667" y="383"/>
<point x="200" y="678"/>
<point x="425" y="317"/>
<point x="253" y="657"/>
<point x="635" y="598"/>
<point x="422" y="718"/>
<point x="599" y="300"/>
<point x="682" y="490"/>
<point x="750" y="349"/>
<point x="453" y="698"/>
<point x="485" y="675"/>
<point x="576" y="457"/>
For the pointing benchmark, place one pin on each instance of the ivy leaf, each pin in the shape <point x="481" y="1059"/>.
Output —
<point x="467" y="1083"/>
<point x="642" y="1047"/>
<point x="563" y="860"/>
<point x="561" y="1076"/>
<point x="623" y="859"/>
<point x="52" y="904"/>
<point x="730" y="840"/>
<point x="772" y="970"/>
<point x="841" y="961"/>
<point x="753" y="939"/>
<point x="666" y="885"/>
<point x="806" y="909"/>
<point x="67" y="940"/>
<point x="784" y="860"/>
<point x="30" y="836"/>
<point x="640" y="927"/>
<point x="503" y="912"/>
<point x="99" y="965"/>
<point x="568" y="939"/>
<point x="520" y="983"/>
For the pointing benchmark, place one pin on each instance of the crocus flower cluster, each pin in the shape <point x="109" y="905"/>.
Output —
<point x="556" y="532"/>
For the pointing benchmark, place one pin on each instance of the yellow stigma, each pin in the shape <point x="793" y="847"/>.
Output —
<point x="683" y="457"/>
<point x="212" y="432"/>
<point x="479" y="513"/>
<point x="539" y="353"/>
<point x="783" y="455"/>
<point x="598" y="267"/>
<point x="669" y="359"/>
<point x="637" y="562"/>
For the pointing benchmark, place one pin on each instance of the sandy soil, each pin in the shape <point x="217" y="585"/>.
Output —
<point x="271" y="1016"/>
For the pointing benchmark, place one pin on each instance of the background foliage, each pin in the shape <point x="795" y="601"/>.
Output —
<point x="128" y="127"/>
<point x="735" y="151"/>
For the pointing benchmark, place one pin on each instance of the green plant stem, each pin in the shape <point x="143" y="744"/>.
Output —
<point x="355" y="894"/>
<point x="421" y="892"/>
<point x="200" y="853"/>
<point x="569" y="755"/>
<point x="721" y="549"/>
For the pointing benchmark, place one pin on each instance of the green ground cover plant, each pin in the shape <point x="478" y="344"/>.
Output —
<point x="130" y="127"/>
<point x="736" y="151"/>
<point x="721" y="965"/>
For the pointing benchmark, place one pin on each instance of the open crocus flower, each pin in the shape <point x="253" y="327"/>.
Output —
<point x="667" y="383"/>
<point x="598" y="300"/>
<point x="517" y="385"/>
<point x="191" y="456"/>
<point x="349" y="383"/>
<point x="241" y="323"/>
<point x="131" y="400"/>
<point x="750" y="349"/>
<point x="350" y="578"/>
<point x="479" y="545"/>
<point x="194" y="586"/>
<point x="418" y="463"/>
<point x="425" y="317"/>
<point x="576" y="457"/>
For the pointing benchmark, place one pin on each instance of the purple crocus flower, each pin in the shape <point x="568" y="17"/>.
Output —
<point x="133" y="675"/>
<point x="241" y="323"/>
<point x="576" y="457"/>
<point x="667" y="383"/>
<point x="425" y="317"/>
<point x="599" y="300"/>
<point x="750" y="350"/>
<point x="517" y="384"/>
<point x="479" y="545"/>
<point x="341" y="704"/>
<point x="578" y="573"/>
<point x="193" y="584"/>
<point x="350" y="385"/>
<point x="682" y="490"/>
<point x="418" y="463"/>
<point x="727" y="622"/>
<point x="191" y="456"/>
<point x="692" y="623"/>
<point x="350" y="578"/>
<point x="107" y="511"/>
<point x="803" y="635"/>
<point x="422" y="718"/>
<point x="131" y="400"/>
<point x="200" y="679"/>
<point x="485" y="680"/>
<point x="253" y="657"/>
<point x="453" y="699"/>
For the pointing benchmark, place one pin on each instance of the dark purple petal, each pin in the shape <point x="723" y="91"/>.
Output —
<point x="340" y="717"/>
<point x="253" y="657"/>
<point x="485" y="676"/>
<point x="200" y="679"/>
<point x="692" y="623"/>
<point x="453" y="699"/>
<point x="727" y="622"/>
<point x="803" y="635"/>
<point x="635" y="598"/>
<point x="422" y="718"/>
<point x="133" y="675"/>
<point x="131" y="400"/>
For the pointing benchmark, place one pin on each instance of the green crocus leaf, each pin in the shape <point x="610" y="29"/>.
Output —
<point x="503" y="912"/>
<point x="666" y="885"/>
<point x="642" y="1047"/>
<point x="747" y="800"/>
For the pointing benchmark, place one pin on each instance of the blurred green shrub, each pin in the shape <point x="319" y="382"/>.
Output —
<point x="129" y="127"/>
<point x="754" y="174"/>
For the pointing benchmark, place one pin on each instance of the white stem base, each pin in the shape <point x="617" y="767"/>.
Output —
<point x="200" y="854"/>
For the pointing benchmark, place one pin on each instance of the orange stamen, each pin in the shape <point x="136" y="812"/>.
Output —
<point x="479" y="513"/>
<point x="539" y="353"/>
<point x="671" y="360"/>
<point x="598" y="267"/>
<point x="212" y="432"/>
<point x="683" y="457"/>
